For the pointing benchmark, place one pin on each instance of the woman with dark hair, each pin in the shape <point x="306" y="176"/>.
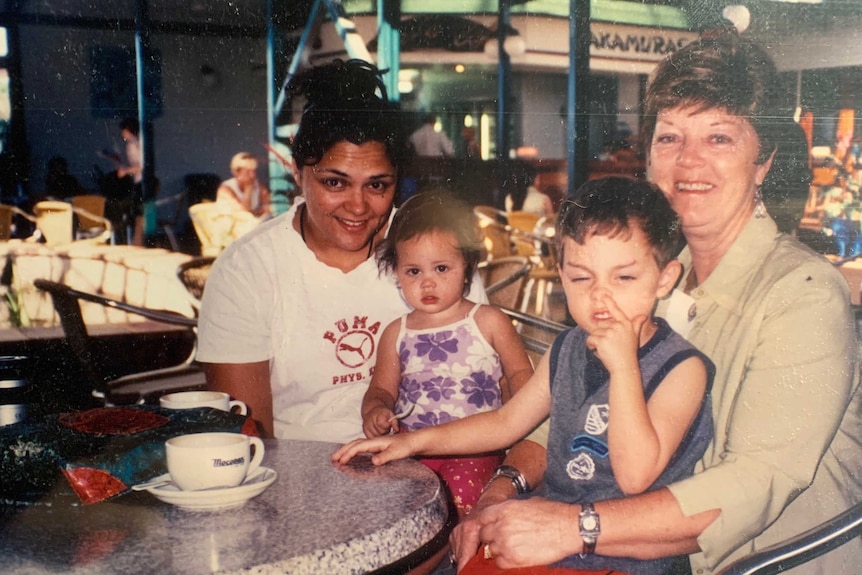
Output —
<point x="294" y="310"/>
<point x="773" y="316"/>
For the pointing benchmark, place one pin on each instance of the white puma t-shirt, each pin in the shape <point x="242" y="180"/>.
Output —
<point x="269" y="298"/>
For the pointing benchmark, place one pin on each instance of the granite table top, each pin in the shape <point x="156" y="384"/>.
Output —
<point x="315" y="518"/>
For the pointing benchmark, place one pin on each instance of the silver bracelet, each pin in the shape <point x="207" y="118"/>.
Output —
<point x="516" y="477"/>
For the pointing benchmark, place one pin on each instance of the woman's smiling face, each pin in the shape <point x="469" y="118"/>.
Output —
<point x="705" y="163"/>
<point x="348" y="195"/>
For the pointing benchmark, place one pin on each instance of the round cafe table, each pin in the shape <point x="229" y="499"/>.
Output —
<point x="315" y="518"/>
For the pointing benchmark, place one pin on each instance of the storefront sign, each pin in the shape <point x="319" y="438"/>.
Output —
<point x="636" y="42"/>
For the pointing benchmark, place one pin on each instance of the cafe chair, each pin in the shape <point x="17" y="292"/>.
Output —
<point x="55" y="224"/>
<point x="496" y="234"/>
<point x="802" y="548"/>
<point x="524" y="222"/>
<point x="537" y="243"/>
<point x="217" y="226"/>
<point x="504" y="279"/>
<point x="483" y="212"/>
<point x="167" y="219"/>
<point x="107" y="387"/>
<point x="193" y="275"/>
<point x="7" y="220"/>
<point x="89" y="210"/>
<point x="6" y="213"/>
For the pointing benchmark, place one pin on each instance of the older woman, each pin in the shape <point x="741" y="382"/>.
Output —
<point x="293" y="311"/>
<point x="773" y="316"/>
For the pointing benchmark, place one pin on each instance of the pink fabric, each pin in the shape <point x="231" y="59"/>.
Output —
<point x="465" y="476"/>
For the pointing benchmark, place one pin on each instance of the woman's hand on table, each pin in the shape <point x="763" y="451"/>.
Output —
<point x="519" y="533"/>
<point x="386" y="448"/>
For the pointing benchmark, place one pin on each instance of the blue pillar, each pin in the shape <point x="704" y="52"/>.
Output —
<point x="504" y="88"/>
<point x="144" y="84"/>
<point x="389" y="44"/>
<point x="579" y="70"/>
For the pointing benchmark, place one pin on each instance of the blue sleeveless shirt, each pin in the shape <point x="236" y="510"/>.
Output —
<point x="579" y="468"/>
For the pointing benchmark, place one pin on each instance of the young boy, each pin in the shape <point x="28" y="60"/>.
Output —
<point x="628" y="398"/>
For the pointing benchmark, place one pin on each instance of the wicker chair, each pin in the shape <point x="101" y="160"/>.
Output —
<point x="504" y="280"/>
<point x="193" y="274"/>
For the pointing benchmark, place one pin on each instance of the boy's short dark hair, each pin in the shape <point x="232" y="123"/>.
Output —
<point x="428" y="212"/>
<point x="607" y="206"/>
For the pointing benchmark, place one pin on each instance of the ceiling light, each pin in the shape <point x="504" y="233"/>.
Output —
<point x="738" y="15"/>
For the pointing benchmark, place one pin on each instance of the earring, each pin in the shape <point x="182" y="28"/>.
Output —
<point x="759" y="206"/>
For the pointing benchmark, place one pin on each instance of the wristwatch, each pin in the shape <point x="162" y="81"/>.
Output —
<point x="590" y="527"/>
<point x="516" y="477"/>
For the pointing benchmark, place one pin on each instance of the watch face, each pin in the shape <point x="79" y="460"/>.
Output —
<point x="589" y="523"/>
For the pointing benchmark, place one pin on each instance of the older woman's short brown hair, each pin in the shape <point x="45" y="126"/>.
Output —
<point x="721" y="71"/>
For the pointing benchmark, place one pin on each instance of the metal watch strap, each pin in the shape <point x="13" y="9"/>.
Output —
<point x="516" y="477"/>
<point x="590" y="528"/>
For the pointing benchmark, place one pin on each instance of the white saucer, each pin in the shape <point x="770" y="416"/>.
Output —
<point x="215" y="499"/>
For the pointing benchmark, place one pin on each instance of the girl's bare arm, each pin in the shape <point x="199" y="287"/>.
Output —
<point x="379" y="400"/>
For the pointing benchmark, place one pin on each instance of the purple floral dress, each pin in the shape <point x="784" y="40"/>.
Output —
<point x="448" y="373"/>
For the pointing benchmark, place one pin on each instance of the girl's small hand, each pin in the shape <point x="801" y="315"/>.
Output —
<point x="379" y="421"/>
<point x="387" y="448"/>
<point x="617" y="338"/>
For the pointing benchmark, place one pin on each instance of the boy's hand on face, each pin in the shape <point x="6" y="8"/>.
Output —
<point x="616" y="339"/>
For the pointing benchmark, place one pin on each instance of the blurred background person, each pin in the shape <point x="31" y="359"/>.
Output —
<point x="59" y="183"/>
<point x="472" y="149"/>
<point x="243" y="192"/>
<point x="523" y="196"/>
<point x="126" y="189"/>
<point x="428" y="142"/>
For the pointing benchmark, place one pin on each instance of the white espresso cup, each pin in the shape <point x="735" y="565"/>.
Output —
<point x="190" y="399"/>
<point x="206" y="460"/>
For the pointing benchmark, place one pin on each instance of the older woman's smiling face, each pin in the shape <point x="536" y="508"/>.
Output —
<point x="705" y="163"/>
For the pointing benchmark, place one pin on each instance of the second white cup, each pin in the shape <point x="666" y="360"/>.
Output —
<point x="207" y="460"/>
<point x="191" y="399"/>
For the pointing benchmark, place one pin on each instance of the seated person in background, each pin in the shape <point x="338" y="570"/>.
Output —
<point x="523" y="195"/>
<point x="243" y="192"/>
<point x="449" y="357"/>
<point x="627" y="397"/>
<point x="59" y="183"/>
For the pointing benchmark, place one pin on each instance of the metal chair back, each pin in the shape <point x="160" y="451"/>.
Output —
<point x="132" y="388"/>
<point x="504" y="279"/>
<point x="801" y="548"/>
